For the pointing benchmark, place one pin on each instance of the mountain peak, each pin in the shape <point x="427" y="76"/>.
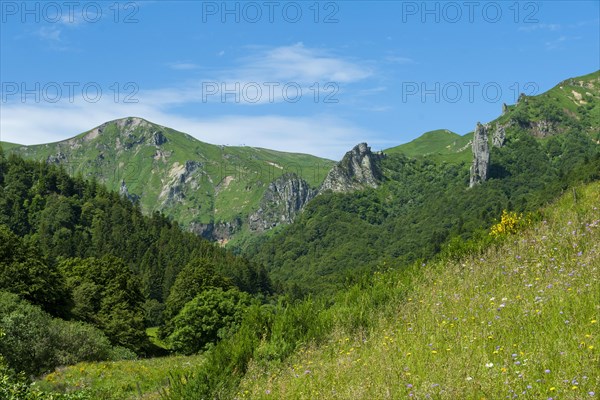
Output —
<point x="357" y="170"/>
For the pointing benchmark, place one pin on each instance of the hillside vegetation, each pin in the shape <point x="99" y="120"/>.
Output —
<point x="193" y="182"/>
<point x="396" y="279"/>
<point x="83" y="272"/>
<point x="421" y="205"/>
<point x="438" y="145"/>
<point x="518" y="320"/>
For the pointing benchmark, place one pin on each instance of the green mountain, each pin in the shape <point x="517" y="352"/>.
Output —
<point x="571" y="102"/>
<point x="389" y="244"/>
<point x="207" y="188"/>
<point x="439" y="145"/>
<point x="421" y="204"/>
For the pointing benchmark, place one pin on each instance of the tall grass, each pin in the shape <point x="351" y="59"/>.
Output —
<point x="519" y="320"/>
<point x="132" y="379"/>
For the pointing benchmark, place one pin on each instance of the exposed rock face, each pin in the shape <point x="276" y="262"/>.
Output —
<point x="358" y="169"/>
<point x="481" y="156"/>
<point x="219" y="232"/>
<point x="158" y="138"/>
<point x="181" y="176"/>
<point x="56" y="159"/>
<point x="542" y="128"/>
<point x="283" y="200"/>
<point x="124" y="192"/>
<point x="499" y="136"/>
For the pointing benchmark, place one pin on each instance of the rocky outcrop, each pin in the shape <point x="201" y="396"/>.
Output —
<point x="181" y="176"/>
<point x="283" y="200"/>
<point x="60" y="157"/>
<point x="481" y="156"/>
<point x="359" y="169"/>
<point x="217" y="232"/>
<point x="542" y="128"/>
<point x="124" y="192"/>
<point x="158" y="138"/>
<point x="499" y="136"/>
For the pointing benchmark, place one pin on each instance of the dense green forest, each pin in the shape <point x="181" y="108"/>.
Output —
<point x="421" y="208"/>
<point x="83" y="273"/>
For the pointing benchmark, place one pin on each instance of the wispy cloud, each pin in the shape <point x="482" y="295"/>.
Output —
<point x="50" y="33"/>
<point x="183" y="66"/>
<point x="556" y="43"/>
<point x="300" y="64"/>
<point x="540" y="27"/>
<point x="271" y="69"/>
<point x="399" y="60"/>
<point x="372" y="91"/>
<point x="311" y="132"/>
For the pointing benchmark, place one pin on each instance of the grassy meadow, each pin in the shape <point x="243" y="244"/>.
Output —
<point x="519" y="320"/>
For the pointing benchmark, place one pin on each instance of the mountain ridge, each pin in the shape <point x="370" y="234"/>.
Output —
<point x="219" y="191"/>
<point x="208" y="188"/>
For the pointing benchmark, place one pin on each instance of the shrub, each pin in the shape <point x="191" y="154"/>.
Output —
<point x="510" y="223"/>
<point x="26" y="345"/>
<point x="210" y="316"/>
<point x="33" y="342"/>
<point x="75" y="341"/>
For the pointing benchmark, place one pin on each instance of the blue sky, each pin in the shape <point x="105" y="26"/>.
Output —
<point x="314" y="77"/>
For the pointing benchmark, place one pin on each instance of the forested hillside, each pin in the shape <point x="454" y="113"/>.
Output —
<point x="71" y="250"/>
<point x="208" y="189"/>
<point x="86" y="276"/>
<point x="543" y="145"/>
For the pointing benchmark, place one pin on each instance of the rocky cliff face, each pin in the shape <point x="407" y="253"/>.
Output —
<point x="220" y="232"/>
<point x="499" y="136"/>
<point x="283" y="200"/>
<point x="124" y="192"/>
<point x="481" y="155"/>
<point x="358" y="169"/>
<point x="181" y="176"/>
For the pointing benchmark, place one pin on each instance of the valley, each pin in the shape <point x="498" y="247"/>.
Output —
<point x="141" y="262"/>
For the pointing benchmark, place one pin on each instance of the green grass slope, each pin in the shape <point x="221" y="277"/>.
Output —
<point x="438" y="145"/>
<point x="192" y="181"/>
<point x="8" y="146"/>
<point x="120" y="380"/>
<point x="519" y="320"/>
<point x="573" y="101"/>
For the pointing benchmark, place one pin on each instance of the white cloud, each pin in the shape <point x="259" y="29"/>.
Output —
<point x="271" y="70"/>
<point x="318" y="134"/>
<point x="182" y="66"/>
<point x="536" y="27"/>
<point x="302" y="64"/>
<point x="556" y="43"/>
<point x="399" y="60"/>
<point x="51" y="33"/>
<point x="321" y="135"/>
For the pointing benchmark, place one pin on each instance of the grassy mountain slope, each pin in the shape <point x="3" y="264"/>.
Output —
<point x="7" y="145"/>
<point x="120" y="380"/>
<point x="439" y="145"/>
<point x="192" y="181"/>
<point x="519" y="320"/>
<point x="422" y="204"/>
<point x="575" y="100"/>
